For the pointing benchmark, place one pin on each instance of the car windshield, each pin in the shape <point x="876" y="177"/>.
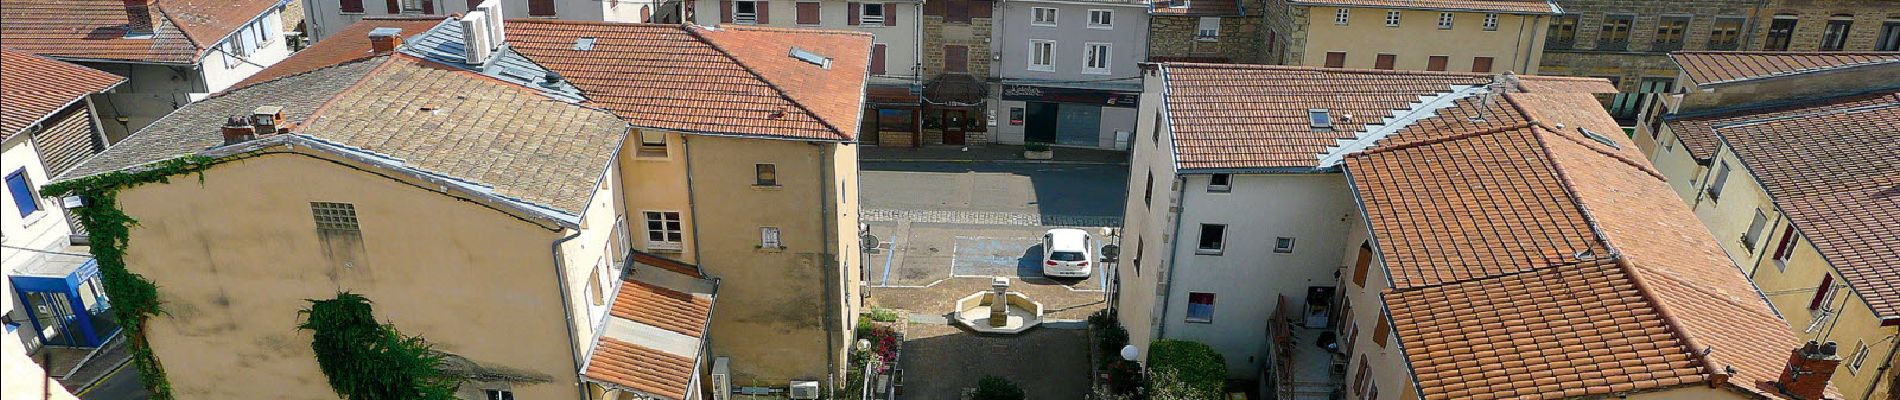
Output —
<point x="1067" y="256"/>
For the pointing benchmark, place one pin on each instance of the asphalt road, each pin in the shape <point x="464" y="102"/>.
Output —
<point x="1047" y="189"/>
<point x="121" y="384"/>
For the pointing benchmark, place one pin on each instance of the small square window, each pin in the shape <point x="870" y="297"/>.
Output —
<point x="871" y="14"/>
<point x="1444" y="20"/>
<point x="1042" y="16"/>
<point x="1391" y="18"/>
<point x="1213" y="239"/>
<point x="499" y="394"/>
<point x="766" y="174"/>
<point x="652" y="144"/>
<point x="1491" y="21"/>
<point x="745" y="12"/>
<point x="768" y="238"/>
<point x="1209" y="29"/>
<point x="1101" y="18"/>
<point x="339" y="217"/>
<point x="1200" y="307"/>
<point x="664" y="230"/>
<point x="1342" y="16"/>
<point x="1220" y="183"/>
<point x="1283" y="245"/>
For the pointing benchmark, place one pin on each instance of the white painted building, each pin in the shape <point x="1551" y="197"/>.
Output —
<point x="326" y="17"/>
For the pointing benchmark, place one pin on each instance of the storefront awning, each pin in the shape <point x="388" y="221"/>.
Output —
<point x="956" y="90"/>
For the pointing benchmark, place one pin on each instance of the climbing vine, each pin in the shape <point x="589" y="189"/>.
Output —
<point x="366" y="360"/>
<point x="108" y="228"/>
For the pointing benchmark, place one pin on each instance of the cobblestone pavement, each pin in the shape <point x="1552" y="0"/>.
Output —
<point x="941" y="361"/>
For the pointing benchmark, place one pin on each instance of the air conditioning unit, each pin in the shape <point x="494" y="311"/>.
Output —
<point x="804" y="390"/>
<point x="722" y="378"/>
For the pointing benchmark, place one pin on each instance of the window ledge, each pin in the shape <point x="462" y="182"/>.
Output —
<point x="767" y="188"/>
<point x="1095" y="72"/>
<point x="1206" y="252"/>
<point x="1038" y="69"/>
<point x="762" y="249"/>
<point x="1102" y="27"/>
<point x="1207" y="39"/>
<point x="1199" y="321"/>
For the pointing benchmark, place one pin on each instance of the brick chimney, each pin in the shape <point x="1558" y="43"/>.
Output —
<point x="1808" y="371"/>
<point x="237" y="129"/>
<point x="141" y="17"/>
<point x="385" y="39"/>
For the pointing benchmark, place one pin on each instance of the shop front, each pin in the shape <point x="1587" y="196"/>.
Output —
<point x="892" y="116"/>
<point x="953" y="112"/>
<point x="1098" y="116"/>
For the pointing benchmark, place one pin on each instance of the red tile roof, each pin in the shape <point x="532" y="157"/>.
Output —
<point x="1501" y="6"/>
<point x="34" y="87"/>
<point x="349" y="44"/>
<point x="1831" y="168"/>
<point x="640" y="368"/>
<point x="1485" y="234"/>
<point x="662" y="308"/>
<point x="1255" y="116"/>
<point x="95" y="29"/>
<point x="1711" y="67"/>
<point x="1696" y="133"/>
<point x="730" y="80"/>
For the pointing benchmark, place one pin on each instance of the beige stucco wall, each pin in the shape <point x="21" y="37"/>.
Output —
<point x="1517" y="45"/>
<point x="236" y="256"/>
<point x="1728" y="216"/>
<point x="1147" y="227"/>
<point x="1791" y="288"/>
<point x="656" y="184"/>
<point x="1388" y="366"/>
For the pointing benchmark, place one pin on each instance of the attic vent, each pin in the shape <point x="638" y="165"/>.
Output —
<point x="584" y="44"/>
<point x="1319" y="118"/>
<point x="810" y="57"/>
<point x="1605" y="140"/>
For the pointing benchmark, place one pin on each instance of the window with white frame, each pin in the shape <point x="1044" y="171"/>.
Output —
<point x="1042" y="16"/>
<point x="1095" y="59"/>
<point x="1342" y="16"/>
<point x="1101" y="18"/>
<point x="1210" y="29"/>
<point x="663" y="230"/>
<point x="1213" y="239"/>
<point x="1042" y="55"/>
<point x="499" y="394"/>
<point x="1391" y="18"/>
<point x="871" y="14"/>
<point x="1444" y="20"/>
<point x="768" y="238"/>
<point x="1283" y="244"/>
<point x="745" y="12"/>
<point x="1491" y="21"/>
<point x="1200" y="307"/>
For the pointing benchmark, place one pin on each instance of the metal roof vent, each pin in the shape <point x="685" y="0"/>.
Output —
<point x="1319" y="118"/>
<point x="1605" y="140"/>
<point x="584" y="44"/>
<point x="810" y="57"/>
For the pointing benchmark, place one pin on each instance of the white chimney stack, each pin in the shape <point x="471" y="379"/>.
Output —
<point x="475" y="45"/>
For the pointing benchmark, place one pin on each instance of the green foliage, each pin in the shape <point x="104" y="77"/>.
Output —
<point x="996" y="388"/>
<point x="366" y="360"/>
<point x="1199" y="368"/>
<point x="1167" y="385"/>
<point x="109" y="228"/>
<point x="1035" y="146"/>
<point x="881" y="314"/>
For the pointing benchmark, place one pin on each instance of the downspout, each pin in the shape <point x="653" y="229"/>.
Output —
<point x="692" y="205"/>
<point x="917" y="55"/>
<point x="832" y="316"/>
<point x="573" y="346"/>
<point x="1174" y="250"/>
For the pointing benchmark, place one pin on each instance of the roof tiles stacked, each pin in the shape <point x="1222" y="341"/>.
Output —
<point x="1711" y="67"/>
<point x="33" y="88"/>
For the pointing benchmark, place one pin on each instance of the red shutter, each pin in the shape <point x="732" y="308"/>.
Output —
<point x="352" y="6"/>
<point x="540" y="8"/>
<point x="1787" y="241"/>
<point x="393" y="7"/>
<point x="1820" y="293"/>
<point x="1335" y="59"/>
<point x="1359" y="268"/>
<point x="1381" y="331"/>
<point x="855" y="8"/>
<point x="877" y="59"/>
<point x="890" y="14"/>
<point x="807" y="12"/>
<point x="1481" y="64"/>
<point x="428" y="6"/>
<point x="1385" y="61"/>
<point x="765" y="11"/>
<point x="1436" y="63"/>
<point x="725" y="11"/>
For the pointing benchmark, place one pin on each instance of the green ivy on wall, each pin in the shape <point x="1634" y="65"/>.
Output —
<point x="108" y="228"/>
<point x="366" y="360"/>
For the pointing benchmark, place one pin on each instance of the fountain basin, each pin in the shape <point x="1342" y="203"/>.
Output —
<point x="1020" y="313"/>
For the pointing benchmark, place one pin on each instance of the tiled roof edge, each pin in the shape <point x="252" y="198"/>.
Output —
<point x="693" y="30"/>
<point x="1893" y="57"/>
<point x="1715" y="377"/>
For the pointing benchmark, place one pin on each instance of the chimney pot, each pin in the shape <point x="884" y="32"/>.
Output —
<point x="267" y="120"/>
<point x="1808" y="370"/>
<point x="237" y="129"/>
<point x="383" y="40"/>
<point x="140" y="20"/>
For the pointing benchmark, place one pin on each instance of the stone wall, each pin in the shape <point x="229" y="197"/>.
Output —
<point x="1643" y="59"/>
<point x="1813" y="16"/>
<point x="974" y="35"/>
<point x="1287" y="26"/>
<point x="1175" y="36"/>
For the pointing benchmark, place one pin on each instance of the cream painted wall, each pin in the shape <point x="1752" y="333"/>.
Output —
<point x="656" y="184"/>
<point x="236" y="256"/>
<point x="586" y="258"/>
<point x="1729" y="216"/>
<point x="1517" y="44"/>
<point x="1387" y="365"/>
<point x="1791" y="287"/>
<point x="1147" y="226"/>
<point x="24" y="377"/>
<point x="1679" y="168"/>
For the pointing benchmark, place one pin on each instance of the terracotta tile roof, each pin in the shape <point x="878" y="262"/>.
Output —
<point x="1696" y="133"/>
<point x="34" y="87"/>
<point x="1255" y="116"/>
<point x="1500" y="6"/>
<point x="733" y="80"/>
<point x="668" y="264"/>
<point x="640" y="368"/>
<point x="1712" y="67"/>
<point x="1197" y="8"/>
<point x="95" y="29"/>
<point x="349" y="44"/>
<point x="1483" y="229"/>
<point x="1830" y="167"/>
<point x="662" y="308"/>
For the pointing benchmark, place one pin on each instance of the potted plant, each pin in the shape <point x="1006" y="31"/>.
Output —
<point x="1038" y="151"/>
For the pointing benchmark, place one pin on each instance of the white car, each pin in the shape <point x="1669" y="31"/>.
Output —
<point x="1066" y="253"/>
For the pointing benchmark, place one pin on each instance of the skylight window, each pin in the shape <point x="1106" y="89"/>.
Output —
<point x="1319" y="118"/>
<point x="1605" y="140"/>
<point x="584" y="44"/>
<point x="810" y="57"/>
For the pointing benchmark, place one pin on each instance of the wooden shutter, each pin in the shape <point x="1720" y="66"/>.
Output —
<point x="541" y="8"/>
<point x="352" y="6"/>
<point x="890" y="14"/>
<point x="934" y="7"/>
<point x="1385" y="61"/>
<point x="428" y="6"/>
<point x="877" y="59"/>
<point x="764" y="9"/>
<point x="957" y="13"/>
<point x="1381" y="331"/>
<point x="956" y="59"/>
<point x="393" y="6"/>
<point x="725" y="11"/>
<point x="1359" y="267"/>
<point x="1786" y="244"/>
<point x="473" y="3"/>
<point x="808" y="12"/>
<point x="1820" y="293"/>
<point x="853" y="13"/>
<point x="1335" y="59"/>
<point x="1436" y="63"/>
<point x="1481" y="64"/>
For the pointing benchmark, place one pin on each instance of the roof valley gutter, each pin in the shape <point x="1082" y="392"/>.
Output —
<point x="573" y="344"/>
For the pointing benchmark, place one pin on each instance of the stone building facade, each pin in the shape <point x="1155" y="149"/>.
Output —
<point x="956" y="72"/>
<point x="1628" y="41"/>
<point x="1177" y="31"/>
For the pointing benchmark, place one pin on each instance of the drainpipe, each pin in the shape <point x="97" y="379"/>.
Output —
<point x="692" y="205"/>
<point x="1174" y="250"/>
<point x="573" y="346"/>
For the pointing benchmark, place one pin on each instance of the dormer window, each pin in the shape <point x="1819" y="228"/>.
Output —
<point x="1319" y="118"/>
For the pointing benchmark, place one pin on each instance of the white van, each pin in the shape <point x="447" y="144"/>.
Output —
<point x="1066" y="253"/>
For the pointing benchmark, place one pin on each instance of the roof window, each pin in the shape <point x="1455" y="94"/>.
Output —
<point x="810" y="57"/>
<point x="1319" y="118"/>
<point x="584" y="44"/>
<point x="1605" y="140"/>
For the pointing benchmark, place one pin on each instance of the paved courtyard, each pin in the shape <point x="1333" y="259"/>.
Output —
<point x="945" y="228"/>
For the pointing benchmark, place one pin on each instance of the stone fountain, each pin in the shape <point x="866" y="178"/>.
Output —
<point x="999" y="310"/>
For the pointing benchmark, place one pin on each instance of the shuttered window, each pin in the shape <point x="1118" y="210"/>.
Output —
<point x="877" y="59"/>
<point x="1335" y="59"/>
<point x="1359" y="267"/>
<point x="1385" y="61"/>
<point x="808" y="13"/>
<point x="1436" y="63"/>
<point x="352" y="6"/>
<point x="541" y="8"/>
<point x="1481" y="64"/>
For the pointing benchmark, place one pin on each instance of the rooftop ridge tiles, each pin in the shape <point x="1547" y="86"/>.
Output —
<point x="1525" y="111"/>
<point x="1816" y="113"/>
<point x="836" y="132"/>
<point x="1754" y="108"/>
<point x="1441" y="140"/>
<point x="1710" y="373"/>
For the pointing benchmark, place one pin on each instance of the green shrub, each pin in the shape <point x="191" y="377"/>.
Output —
<point x="368" y="360"/>
<point x="1036" y="146"/>
<point x="1198" y="367"/>
<point x="996" y="388"/>
<point x="881" y="314"/>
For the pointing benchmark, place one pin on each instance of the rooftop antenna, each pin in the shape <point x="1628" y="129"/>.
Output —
<point x="1500" y="83"/>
